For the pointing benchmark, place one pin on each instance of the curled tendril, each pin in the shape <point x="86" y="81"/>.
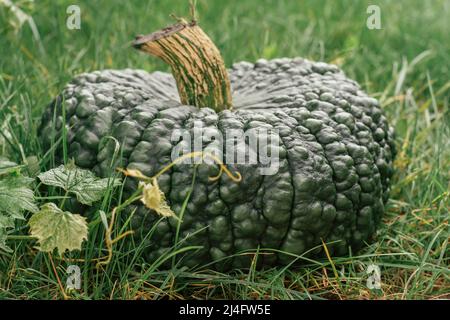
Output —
<point x="223" y="168"/>
<point x="215" y="178"/>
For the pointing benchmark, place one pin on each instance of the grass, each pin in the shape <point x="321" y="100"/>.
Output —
<point x="405" y="65"/>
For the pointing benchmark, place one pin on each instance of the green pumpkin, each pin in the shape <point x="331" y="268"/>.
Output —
<point x="332" y="181"/>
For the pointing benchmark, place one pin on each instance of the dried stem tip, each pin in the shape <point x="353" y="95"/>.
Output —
<point x="196" y="63"/>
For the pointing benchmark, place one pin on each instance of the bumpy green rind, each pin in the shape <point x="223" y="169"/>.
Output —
<point x="336" y="156"/>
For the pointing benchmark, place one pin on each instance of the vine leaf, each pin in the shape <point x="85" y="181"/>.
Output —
<point x="59" y="229"/>
<point x="153" y="198"/>
<point x="15" y="197"/>
<point x="6" y="223"/>
<point x="84" y="184"/>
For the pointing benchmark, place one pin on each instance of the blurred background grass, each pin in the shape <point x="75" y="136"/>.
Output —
<point x="406" y="65"/>
<point x="332" y="31"/>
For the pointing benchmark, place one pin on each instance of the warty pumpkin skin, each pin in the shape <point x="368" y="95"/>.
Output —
<point x="336" y="152"/>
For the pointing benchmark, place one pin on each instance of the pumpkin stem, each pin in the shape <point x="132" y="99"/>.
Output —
<point x="197" y="66"/>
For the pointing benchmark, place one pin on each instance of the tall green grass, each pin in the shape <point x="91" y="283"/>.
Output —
<point x="405" y="65"/>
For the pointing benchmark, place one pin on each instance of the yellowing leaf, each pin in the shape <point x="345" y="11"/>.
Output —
<point x="153" y="198"/>
<point x="59" y="229"/>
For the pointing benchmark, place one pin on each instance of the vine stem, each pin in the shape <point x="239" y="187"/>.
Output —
<point x="236" y="177"/>
<point x="64" y="199"/>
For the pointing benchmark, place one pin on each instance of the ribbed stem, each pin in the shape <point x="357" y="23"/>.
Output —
<point x="197" y="66"/>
